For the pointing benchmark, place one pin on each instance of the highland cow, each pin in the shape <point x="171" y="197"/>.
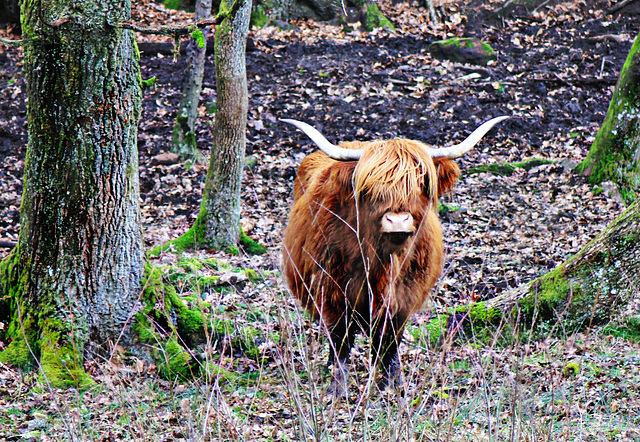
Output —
<point x="363" y="247"/>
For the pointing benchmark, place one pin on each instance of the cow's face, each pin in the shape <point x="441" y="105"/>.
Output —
<point x="395" y="182"/>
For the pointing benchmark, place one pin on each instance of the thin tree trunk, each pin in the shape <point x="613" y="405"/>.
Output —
<point x="217" y="225"/>
<point x="184" y="135"/>
<point x="74" y="277"/>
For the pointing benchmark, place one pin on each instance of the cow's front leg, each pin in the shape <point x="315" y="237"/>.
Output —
<point x="341" y="340"/>
<point x="386" y="340"/>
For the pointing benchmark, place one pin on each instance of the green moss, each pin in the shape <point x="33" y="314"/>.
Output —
<point x="190" y="264"/>
<point x="171" y="324"/>
<point x="175" y="361"/>
<point x="434" y="331"/>
<point x="252" y="274"/>
<point x="482" y="324"/>
<point x="60" y="361"/>
<point x="250" y="246"/>
<point x="444" y="208"/>
<point x="506" y="169"/>
<point x="39" y="335"/>
<point x="228" y="380"/>
<point x="470" y="50"/>
<point x="18" y="354"/>
<point x="550" y="290"/>
<point x="186" y="241"/>
<point x="374" y="18"/>
<point x="198" y="36"/>
<point x="479" y="313"/>
<point x="571" y="370"/>
<point x="259" y="17"/>
<point x="13" y="283"/>
<point x="180" y="5"/>
<point x="195" y="238"/>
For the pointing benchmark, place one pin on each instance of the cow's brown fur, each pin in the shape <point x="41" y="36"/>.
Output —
<point x="335" y="259"/>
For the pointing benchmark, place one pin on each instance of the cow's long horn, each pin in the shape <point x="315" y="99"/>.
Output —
<point x="332" y="151"/>
<point x="460" y="149"/>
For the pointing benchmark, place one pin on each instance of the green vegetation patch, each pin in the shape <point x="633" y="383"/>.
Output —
<point x="629" y="329"/>
<point x="374" y="18"/>
<point x="507" y="169"/>
<point x="194" y="238"/>
<point x="61" y="362"/>
<point x="174" y="326"/>
<point x="250" y="246"/>
<point x="463" y="50"/>
<point x="259" y="17"/>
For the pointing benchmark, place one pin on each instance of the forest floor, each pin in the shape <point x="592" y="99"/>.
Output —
<point x="555" y="72"/>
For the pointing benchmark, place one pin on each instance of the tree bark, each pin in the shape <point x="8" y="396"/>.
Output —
<point x="615" y="153"/>
<point x="73" y="281"/>
<point x="184" y="135"/>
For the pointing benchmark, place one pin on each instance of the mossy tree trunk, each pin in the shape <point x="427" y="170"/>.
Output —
<point x="184" y="135"/>
<point x="73" y="280"/>
<point x="596" y="286"/>
<point x="217" y="224"/>
<point x="615" y="153"/>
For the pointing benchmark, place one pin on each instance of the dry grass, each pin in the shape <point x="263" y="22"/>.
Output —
<point x="581" y="388"/>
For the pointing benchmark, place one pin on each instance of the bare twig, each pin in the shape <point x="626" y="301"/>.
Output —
<point x="178" y="31"/>
<point x="615" y="8"/>
<point x="175" y="31"/>
<point x="8" y="42"/>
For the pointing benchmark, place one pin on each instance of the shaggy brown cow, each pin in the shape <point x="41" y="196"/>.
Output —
<point x="363" y="247"/>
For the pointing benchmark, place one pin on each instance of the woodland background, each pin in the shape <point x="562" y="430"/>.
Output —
<point x="556" y="68"/>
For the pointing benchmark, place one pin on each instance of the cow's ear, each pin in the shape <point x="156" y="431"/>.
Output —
<point x="448" y="174"/>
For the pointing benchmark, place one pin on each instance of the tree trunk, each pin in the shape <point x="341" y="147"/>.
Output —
<point x="217" y="225"/>
<point x="73" y="280"/>
<point x="184" y="134"/>
<point x="615" y="153"/>
<point x="9" y="12"/>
